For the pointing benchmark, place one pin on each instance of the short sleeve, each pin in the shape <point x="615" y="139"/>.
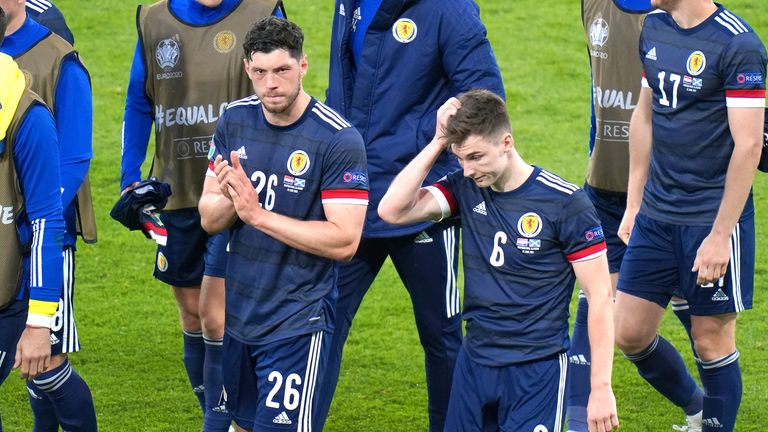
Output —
<point x="444" y="192"/>
<point x="743" y="72"/>
<point x="579" y="229"/>
<point x="345" y="170"/>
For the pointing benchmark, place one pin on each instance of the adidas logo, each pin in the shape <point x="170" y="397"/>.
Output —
<point x="220" y="409"/>
<point x="711" y="422"/>
<point x="651" y="54"/>
<point x="423" y="237"/>
<point x="241" y="153"/>
<point x="199" y="389"/>
<point x="480" y="208"/>
<point x="282" y="418"/>
<point x="720" y="296"/>
<point x="33" y="394"/>
<point x="54" y="339"/>
<point x="578" y="360"/>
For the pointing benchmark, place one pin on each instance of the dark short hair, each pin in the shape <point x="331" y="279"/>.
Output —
<point x="273" y="33"/>
<point x="3" y="24"/>
<point x="482" y="113"/>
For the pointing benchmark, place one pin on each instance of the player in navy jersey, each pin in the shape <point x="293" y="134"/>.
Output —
<point x="288" y="179"/>
<point x="527" y="236"/>
<point x="30" y="202"/>
<point x="47" y="14"/>
<point x="695" y="141"/>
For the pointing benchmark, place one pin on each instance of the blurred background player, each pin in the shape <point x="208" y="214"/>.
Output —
<point x="393" y="63"/>
<point x="527" y="236"/>
<point x="47" y="14"/>
<point x="30" y="202"/>
<point x="60" y="397"/>
<point x="288" y="176"/>
<point x="185" y="70"/>
<point x="695" y="141"/>
<point x="612" y="37"/>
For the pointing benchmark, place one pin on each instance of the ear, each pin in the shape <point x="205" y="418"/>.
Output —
<point x="303" y="65"/>
<point x="507" y="141"/>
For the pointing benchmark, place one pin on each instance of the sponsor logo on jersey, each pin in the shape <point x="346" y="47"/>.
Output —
<point x="224" y="41"/>
<point x="162" y="262"/>
<point x="298" y="162"/>
<point x="691" y="83"/>
<point x="594" y="233"/>
<point x="404" y="30"/>
<point x="293" y="184"/>
<point x="651" y="55"/>
<point x="696" y="63"/>
<point x="241" y="154"/>
<point x="167" y="56"/>
<point x="212" y="149"/>
<point x="598" y="36"/>
<point x="282" y="418"/>
<point x="578" y="360"/>
<point x="529" y="225"/>
<point x="480" y="209"/>
<point x="750" y="78"/>
<point x="6" y="214"/>
<point x="355" y="177"/>
<point x="187" y="115"/>
<point x="422" y="238"/>
<point x="720" y="296"/>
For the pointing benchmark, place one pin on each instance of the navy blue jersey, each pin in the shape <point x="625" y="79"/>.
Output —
<point x="518" y="248"/>
<point x="275" y="291"/>
<point x="696" y="74"/>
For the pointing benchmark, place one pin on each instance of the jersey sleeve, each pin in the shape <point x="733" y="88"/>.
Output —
<point x="743" y="72"/>
<point x="444" y="193"/>
<point x="36" y="158"/>
<point x="218" y="145"/>
<point x="579" y="229"/>
<point x="137" y="122"/>
<point x="345" y="170"/>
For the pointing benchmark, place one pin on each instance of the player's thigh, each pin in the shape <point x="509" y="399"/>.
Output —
<point x="637" y="322"/>
<point x="714" y="337"/>
<point x="13" y="318"/>
<point x="64" y="338"/>
<point x="239" y="379"/>
<point x="181" y="261"/>
<point x="610" y="209"/>
<point x="427" y="263"/>
<point x="534" y="396"/>
<point x="287" y="372"/>
<point x="473" y="396"/>
<point x="649" y="269"/>
<point x="733" y="292"/>
<point x="357" y="275"/>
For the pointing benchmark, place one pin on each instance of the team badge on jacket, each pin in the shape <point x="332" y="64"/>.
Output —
<point x="298" y="162"/>
<point x="224" y="41"/>
<point x="529" y="225"/>
<point x="404" y="30"/>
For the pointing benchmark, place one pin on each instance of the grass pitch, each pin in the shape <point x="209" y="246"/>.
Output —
<point x="130" y="334"/>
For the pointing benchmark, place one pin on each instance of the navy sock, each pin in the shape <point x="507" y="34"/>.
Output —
<point x="42" y="409"/>
<point x="194" y="358"/>
<point x="683" y="314"/>
<point x="71" y="398"/>
<point x="215" y="418"/>
<point x="661" y="365"/>
<point x="579" y="359"/>
<point x="722" y="379"/>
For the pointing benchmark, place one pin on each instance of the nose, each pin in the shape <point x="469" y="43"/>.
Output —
<point x="468" y="169"/>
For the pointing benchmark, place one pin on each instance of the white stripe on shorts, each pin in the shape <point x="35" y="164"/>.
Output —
<point x="563" y="360"/>
<point x="70" y="342"/>
<point x="735" y="264"/>
<point x="310" y="379"/>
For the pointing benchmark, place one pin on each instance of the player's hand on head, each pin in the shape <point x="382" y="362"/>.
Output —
<point x="240" y="188"/>
<point x="601" y="410"/>
<point x="712" y="258"/>
<point x="444" y="113"/>
<point x="33" y="352"/>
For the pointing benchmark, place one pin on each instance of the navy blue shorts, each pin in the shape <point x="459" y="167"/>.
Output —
<point x="659" y="259"/>
<point x="13" y="318"/>
<point x="522" y="397"/>
<point x="189" y="252"/>
<point x="64" y="337"/>
<point x="610" y="209"/>
<point x="271" y="387"/>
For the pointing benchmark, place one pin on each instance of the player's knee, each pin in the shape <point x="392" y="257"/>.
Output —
<point x="632" y="341"/>
<point x="212" y="323"/>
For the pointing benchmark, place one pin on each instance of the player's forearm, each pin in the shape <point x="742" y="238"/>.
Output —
<point x="738" y="183"/>
<point x="327" y="239"/>
<point x="217" y="213"/>
<point x="400" y="203"/>
<point x="600" y="325"/>
<point x="640" y="144"/>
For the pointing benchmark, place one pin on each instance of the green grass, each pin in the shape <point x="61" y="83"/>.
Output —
<point x="131" y="354"/>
